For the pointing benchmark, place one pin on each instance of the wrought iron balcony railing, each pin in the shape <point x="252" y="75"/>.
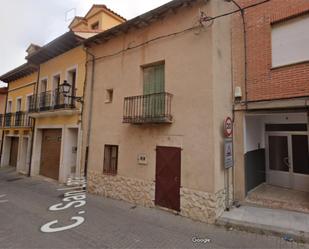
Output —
<point x="150" y="108"/>
<point x="16" y="119"/>
<point x="50" y="100"/>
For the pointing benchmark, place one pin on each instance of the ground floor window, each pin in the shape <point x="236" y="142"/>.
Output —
<point x="110" y="159"/>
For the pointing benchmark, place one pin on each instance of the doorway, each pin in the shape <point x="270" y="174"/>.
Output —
<point x="14" y="151"/>
<point x="168" y="164"/>
<point x="50" y="153"/>
<point x="287" y="160"/>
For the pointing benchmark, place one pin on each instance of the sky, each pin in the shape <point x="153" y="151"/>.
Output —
<point x="23" y="22"/>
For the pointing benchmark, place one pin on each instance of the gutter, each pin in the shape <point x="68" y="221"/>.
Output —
<point x="33" y="126"/>
<point x="93" y="60"/>
<point x="6" y="101"/>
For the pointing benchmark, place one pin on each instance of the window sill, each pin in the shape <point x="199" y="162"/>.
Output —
<point x="289" y="65"/>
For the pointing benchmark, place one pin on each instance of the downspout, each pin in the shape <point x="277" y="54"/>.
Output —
<point x="91" y="104"/>
<point x="3" y="120"/>
<point x="242" y="11"/>
<point x="33" y="126"/>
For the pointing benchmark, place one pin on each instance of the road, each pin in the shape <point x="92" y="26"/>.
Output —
<point x="24" y="208"/>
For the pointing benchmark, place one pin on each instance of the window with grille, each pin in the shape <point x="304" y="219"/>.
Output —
<point x="110" y="159"/>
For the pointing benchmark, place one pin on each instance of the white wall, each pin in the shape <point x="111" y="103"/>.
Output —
<point x="255" y="127"/>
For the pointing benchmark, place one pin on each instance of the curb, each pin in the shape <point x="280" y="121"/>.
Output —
<point x="297" y="236"/>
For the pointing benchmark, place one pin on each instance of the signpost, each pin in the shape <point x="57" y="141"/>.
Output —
<point x="228" y="127"/>
<point x="228" y="154"/>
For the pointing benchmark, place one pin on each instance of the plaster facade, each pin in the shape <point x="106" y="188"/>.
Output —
<point x="198" y="74"/>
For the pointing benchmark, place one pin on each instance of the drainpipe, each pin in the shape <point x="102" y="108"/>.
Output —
<point x="6" y="100"/>
<point x="33" y="126"/>
<point x="90" y="103"/>
<point x="242" y="12"/>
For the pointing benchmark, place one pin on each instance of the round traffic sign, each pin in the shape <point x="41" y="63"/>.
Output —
<point x="228" y="127"/>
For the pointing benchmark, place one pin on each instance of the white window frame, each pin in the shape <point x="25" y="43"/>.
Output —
<point x="21" y="103"/>
<point x="27" y="101"/>
<point x="7" y="107"/>
<point x="283" y="53"/>
<point x="40" y="84"/>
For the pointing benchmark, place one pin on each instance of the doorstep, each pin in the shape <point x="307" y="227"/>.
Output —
<point x="268" y="221"/>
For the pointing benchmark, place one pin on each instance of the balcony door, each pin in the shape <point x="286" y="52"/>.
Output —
<point x="56" y="96"/>
<point x="44" y="95"/>
<point x="18" y="115"/>
<point x="154" y="102"/>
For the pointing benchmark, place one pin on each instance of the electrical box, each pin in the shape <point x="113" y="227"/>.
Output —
<point x="142" y="159"/>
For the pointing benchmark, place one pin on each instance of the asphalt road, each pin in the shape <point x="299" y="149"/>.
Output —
<point x="106" y="223"/>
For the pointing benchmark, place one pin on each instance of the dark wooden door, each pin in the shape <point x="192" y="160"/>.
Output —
<point x="168" y="163"/>
<point x="50" y="153"/>
<point x="14" y="151"/>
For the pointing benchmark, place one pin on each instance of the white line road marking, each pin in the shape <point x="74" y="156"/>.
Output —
<point x="2" y="201"/>
<point x="64" y="189"/>
<point x="81" y="212"/>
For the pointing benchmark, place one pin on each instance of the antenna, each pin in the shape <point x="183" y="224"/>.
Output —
<point x="70" y="14"/>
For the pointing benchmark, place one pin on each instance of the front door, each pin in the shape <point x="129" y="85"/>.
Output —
<point x="50" y="153"/>
<point x="167" y="193"/>
<point x="288" y="161"/>
<point x="14" y="151"/>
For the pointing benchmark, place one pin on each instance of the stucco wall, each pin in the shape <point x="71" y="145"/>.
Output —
<point x="21" y="88"/>
<point x="197" y="73"/>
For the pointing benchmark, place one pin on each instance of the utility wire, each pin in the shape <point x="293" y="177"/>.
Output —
<point x="206" y="19"/>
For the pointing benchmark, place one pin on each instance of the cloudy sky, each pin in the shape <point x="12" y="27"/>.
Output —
<point x="33" y="21"/>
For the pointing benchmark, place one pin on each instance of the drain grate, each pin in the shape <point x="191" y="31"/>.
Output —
<point x="14" y="179"/>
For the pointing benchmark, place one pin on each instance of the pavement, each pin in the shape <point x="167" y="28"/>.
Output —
<point x="105" y="223"/>
<point x="294" y="225"/>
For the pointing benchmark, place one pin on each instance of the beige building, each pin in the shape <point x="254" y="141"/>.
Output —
<point x="3" y="96"/>
<point x="42" y="124"/>
<point x="158" y="91"/>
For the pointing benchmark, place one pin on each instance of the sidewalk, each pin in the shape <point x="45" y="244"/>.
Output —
<point x="268" y="221"/>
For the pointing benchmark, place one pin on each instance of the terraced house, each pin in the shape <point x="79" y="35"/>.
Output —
<point x="271" y="114"/>
<point x="53" y="116"/>
<point x="16" y="124"/>
<point x="158" y="97"/>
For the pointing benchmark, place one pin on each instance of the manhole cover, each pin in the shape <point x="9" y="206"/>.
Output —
<point x="14" y="179"/>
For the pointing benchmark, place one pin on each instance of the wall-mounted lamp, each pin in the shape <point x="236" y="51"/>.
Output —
<point x="65" y="89"/>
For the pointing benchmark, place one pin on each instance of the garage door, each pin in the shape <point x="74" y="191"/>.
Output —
<point x="50" y="153"/>
<point x="14" y="151"/>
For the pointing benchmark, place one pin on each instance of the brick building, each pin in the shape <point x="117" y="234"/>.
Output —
<point x="271" y="85"/>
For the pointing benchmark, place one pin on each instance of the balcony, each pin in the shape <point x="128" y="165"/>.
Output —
<point x="14" y="120"/>
<point x="49" y="101"/>
<point x="152" y="108"/>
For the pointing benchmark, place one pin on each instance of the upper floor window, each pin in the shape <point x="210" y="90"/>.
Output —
<point x="95" y="26"/>
<point x="290" y="41"/>
<point x="43" y="86"/>
<point x="153" y="79"/>
<point x="9" y="107"/>
<point x="18" y="104"/>
<point x="29" y="103"/>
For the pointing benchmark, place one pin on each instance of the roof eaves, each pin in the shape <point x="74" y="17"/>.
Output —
<point x="145" y="18"/>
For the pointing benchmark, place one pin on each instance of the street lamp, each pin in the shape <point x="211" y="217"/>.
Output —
<point x="65" y="89"/>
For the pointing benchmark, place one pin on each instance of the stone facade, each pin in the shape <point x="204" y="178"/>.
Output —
<point x="197" y="205"/>
<point x="122" y="188"/>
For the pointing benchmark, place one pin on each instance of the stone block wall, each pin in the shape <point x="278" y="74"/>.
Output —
<point x="197" y="205"/>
